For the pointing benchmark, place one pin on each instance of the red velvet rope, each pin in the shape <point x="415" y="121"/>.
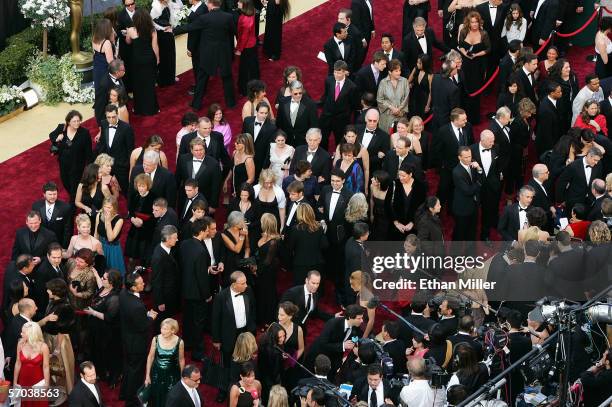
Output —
<point x="428" y="119"/>
<point x="584" y="26"/>
<point x="491" y="79"/>
<point x="545" y="44"/>
<point x="607" y="9"/>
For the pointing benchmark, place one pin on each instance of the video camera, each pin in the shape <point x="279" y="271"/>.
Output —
<point x="331" y="397"/>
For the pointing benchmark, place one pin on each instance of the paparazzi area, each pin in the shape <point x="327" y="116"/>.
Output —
<point x="376" y="203"/>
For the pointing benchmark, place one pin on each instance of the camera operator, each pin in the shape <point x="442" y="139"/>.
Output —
<point x="469" y="370"/>
<point x="448" y="316"/>
<point x="419" y="393"/>
<point x="375" y="391"/>
<point x="396" y="348"/>
<point x="466" y="334"/>
<point x="322" y="367"/>
<point x="597" y="381"/>
<point x="314" y="398"/>
<point x="519" y="345"/>
<point x="440" y="348"/>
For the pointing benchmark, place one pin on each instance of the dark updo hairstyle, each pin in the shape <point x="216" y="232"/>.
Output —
<point x="114" y="278"/>
<point x="71" y="114"/>
<point x="247" y="368"/>
<point x="58" y="287"/>
<point x="289" y="308"/>
<point x="86" y="255"/>
<point x="383" y="178"/>
<point x="536" y="216"/>
<point x="254" y="87"/>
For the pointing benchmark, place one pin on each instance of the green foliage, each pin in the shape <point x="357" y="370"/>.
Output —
<point x="31" y="35"/>
<point x="13" y="59"/>
<point x="47" y="72"/>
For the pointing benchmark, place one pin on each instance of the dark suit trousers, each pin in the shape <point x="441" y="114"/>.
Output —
<point x="445" y="187"/>
<point x="489" y="202"/>
<point x="194" y="319"/>
<point x="248" y="69"/>
<point x="336" y="125"/>
<point x="464" y="233"/>
<point x="195" y="63"/>
<point x="133" y="376"/>
<point x="122" y="173"/>
<point x="200" y="90"/>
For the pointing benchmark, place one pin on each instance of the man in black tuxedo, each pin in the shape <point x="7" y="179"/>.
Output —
<point x="195" y="287"/>
<point x="354" y="258"/>
<point x="499" y="126"/>
<point x="296" y="115"/>
<point x="12" y="333"/>
<point x="315" y="154"/>
<point x="332" y="204"/>
<point x="339" y="103"/>
<point x="215" y="257"/>
<point x="204" y="169"/>
<point x="487" y="157"/>
<point x="193" y="38"/>
<point x="22" y="271"/>
<point x="55" y="214"/>
<point x="322" y="366"/>
<point x="192" y="195"/>
<point x="355" y="37"/>
<point x="421" y="40"/>
<point x="116" y="71"/>
<point x="33" y="239"/>
<point x="418" y="309"/>
<point x="395" y="157"/>
<point x="467" y="181"/>
<point x="336" y="338"/>
<point x="445" y="95"/>
<point x="506" y="65"/>
<point x="117" y="140"/>
<point x="465" y="333"/>
<point x="217" y="30"/>
<point x="387" y="43"/>
<point x="338" y="48"/>
<point x="573" y="185"/>
<point x="306" y="297"/>
<point x="49" y="269"/>
<point x="493" y="14"/>
<point x="524" y="76"/>
<point x="233" y="314"/>
<point x="124" y="21"/>
<point x="368" y="77"/>
<point x="548" y="130"/>
<point x="86" y="392"/>
<point x="514" y="217"/>
<point x="165" y="274"/>
<point x="185" y="393"/>
<point x="263" y="131"/>
<point x="163" y="183"/>
<point x="213" y="142"/>
<point x="543" y="197"/>
<point x="411" y="11"/>
<point x="295" y="190"/>
<point x="374" y="139"/>
<point x="444" y="147"/>
<point x="546" y="17"/>
<point x="135" y="334"/>
<point x="363" y="18"/>
<point x="374" y="390"/>
<point x="395" y="347"/>
<point x="598" y="190"/>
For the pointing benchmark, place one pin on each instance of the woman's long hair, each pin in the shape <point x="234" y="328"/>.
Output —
<point x="90" y="178"/>
<point x="285" y="8"/>
<point x="357" y="208"/>
<point x="586" y="118"/>
<point x="143" y="23"/>
<point x="306" y="218"/>
<point x="509" y="20"/>
<point x="466" y="22"/>
<point x="103" y="31"/>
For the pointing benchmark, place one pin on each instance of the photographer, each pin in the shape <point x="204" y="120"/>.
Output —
<point x="419" y="393"/>
<point x="448" y="316"/>
<point x="597" y="381"/>
<point x="470" y="371"/>
<point x="376" y="391"/>
<point x="393" y="346"/>
<point x="466" y="334"/>
<point x="519" y="344"/>
<point x="440" y="348"/>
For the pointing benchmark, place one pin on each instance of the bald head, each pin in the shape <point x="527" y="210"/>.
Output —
<point x="540" y="172"/>
<point x="27" y="307"/>
<point x="416" y="367"/>
<point x="598" y="187"/>
<point x="372" y="117"/>
<point x="487" y="139"/>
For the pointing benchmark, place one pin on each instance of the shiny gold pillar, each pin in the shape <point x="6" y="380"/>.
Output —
<point x="80" y="58"/>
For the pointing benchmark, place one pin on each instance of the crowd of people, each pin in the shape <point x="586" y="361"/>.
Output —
<point x="293" y="199"/>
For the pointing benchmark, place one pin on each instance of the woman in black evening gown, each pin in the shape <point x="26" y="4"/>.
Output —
<point x="276" y="12"/>
<point x="403" y="198"/>
<point x="419" y="102"/>
<point x="236" y="241"/>
<point x="72" y="144"/>
<point x="294" y="342"/>
<point x="244" y="165"/>
<point x="474" y="45"/>
<point x="140" y="214"/>
<point x="103" y="326"/>
<point x="379" y="218"/>
<point x="267" y="268"/>
<point x="270" y="358"/>
<point x="163" y="14"/>
<point x="270" y="197"/>
<point x="246" y="204"/>
<point x="145" y="58"/>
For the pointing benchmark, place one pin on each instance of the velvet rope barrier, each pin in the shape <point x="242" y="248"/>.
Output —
<point x="544" y="44"/>
<point x="428" y="119"/>
<point x="491" y="79"/>
<point x="584" y="26"/>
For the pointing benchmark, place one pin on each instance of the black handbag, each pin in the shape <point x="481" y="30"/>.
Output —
<point x="215" y="374"/>
<point x="451" y="22"/>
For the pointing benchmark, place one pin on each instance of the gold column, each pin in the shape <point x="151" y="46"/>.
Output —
<point x="80" y="58"/>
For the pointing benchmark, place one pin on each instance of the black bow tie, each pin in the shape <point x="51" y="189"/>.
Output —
<point x="522" y="209"/>
<point x="588" y="166"/>
<point x="195" y="160"/>
<point x="340" y="42"/>
<point x="335" y="192"/>
<point x="113" y="127"/>
<point x="420" y="36"/>
<point x="370" y="131"/>
<point x="257" y="124"/>
<point x="486" y="149"/>
<point x="239" y="294"/>
<point x="492" y="6"/>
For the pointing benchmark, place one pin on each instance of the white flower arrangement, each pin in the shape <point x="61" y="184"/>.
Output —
<point x="46" y="13"/>
<point x="71" y="83"/>
<point x="182" y="14"/>
<point x="11" y="97"/>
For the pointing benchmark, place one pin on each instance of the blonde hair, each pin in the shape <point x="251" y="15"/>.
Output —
<point x="266" y="175"/>
<point x="305" y="215"/>
<point x="269" y="225"/>
<point x="33" y="335"/>
<point x="112" y="201"/>
<point x="599" y="232"/>
<point x="143" y="179"/>
<point x="278" y="397"/>
<point x="81" y="219"/>
<point x="357" y="208"/>
<point x="104" y="159"/>
<point x="171" y="323"/>
<point x="531" y="233"/>
<point x="359" y="280"/>
<point x="609" y="182"/>
<point x="245" y="348"/>
<point x="413" y="120"/>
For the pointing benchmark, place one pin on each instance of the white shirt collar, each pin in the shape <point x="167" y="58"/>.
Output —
<point x="92" y="388"/>
<point x="166" y="248"/>
<point x="24" y="317"/>
<point x="553" y="101"/>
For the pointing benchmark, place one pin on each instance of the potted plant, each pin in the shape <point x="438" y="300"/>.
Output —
<point x="11" y="102"/>
<point x="46" y="14"/>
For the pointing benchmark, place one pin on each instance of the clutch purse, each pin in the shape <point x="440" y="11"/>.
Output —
<point x="451" y="22"/>
<point x="144" y="393"/>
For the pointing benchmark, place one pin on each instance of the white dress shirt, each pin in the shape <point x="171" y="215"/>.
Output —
<point x="553" y="101"/>
<point x="380" y="395"/>
<point x="166" y="248"/>
<point x="333" y="202"/>
<point x="111" y="134"/>
<point x="485" y="157"/>
<point x="340" y="44"/>
<point x="195" y="7"/>
<point x="152" y="175"/>
<point x="420" y="394"/>
<point x="467" y="168"/>
<point x="239" y="309"/>
<point x="367" y="138"/>
<point x="196" y="165"/>
<point x="292" y="212"/>
<point x="367" y="2"/>
<point x="587" y="171"/>
<point x="193" y="393"/>
<point x="423" y="43"/>
<point x="211" y="253"/>
<point x="294" y="106"/>
<point x="522" y="217"/>
<point x="456" y="131"/>
<point x="310" y="155"/>
<point x="92" y="388"/>
<point x="541" y="186"/>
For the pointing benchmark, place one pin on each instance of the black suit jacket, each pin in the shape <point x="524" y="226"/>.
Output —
<point x="572" y="187"/>
<point x="362" y="17"/>
<point x="215" y="149"/>
<point x="412" y="48"/>
<point x="262" y="143"/>
<point x="185" y="209"/>
<point x="194" y="262"/>
<point x="165" y="277"/>
<point x="178" y="397"/>
<point x="102" y="89"/>
<point x="365" y="81"/>
<point x="494" y="29"/>
<point x="296" y="296"/>
<point x="81" y="396"/>
<point x="548" y="130"/>
<point x="444" y="146"/>
<point x="361" y="390"/>
<point x="543" y="197"/>
<point x="606" y="109"/>
<point x="406" y="334"/>
<point x="123" y="144"/>
<point x="209" y="178"/>
<point x="527" y="87"/>
<point x="509" y="223"/>
<point x="164" y="185"/>
<point x="331" y="49"/>
<point x="169" y="218"/>
<point x="193" y="37"/>
<point x="356" y="37"/>
<point x="595" y="212"/>
<point x="61" y="220"/>
<point x="223" y="319"/>
<point x="466" y="191"/>
<point x="397" y="352"/>
<point x="390" y="164"/>
<point x="506" y="66"/>
<point x="343" y="107"/>
<point x="124" y="21"/>
<point x="11" y="336"/>
<point x="354" y="256"/>
<point x="380" y="144"/>
<point x="22" y="243"/>
<point x="135" y="324"/>
<point x="490" y="181"/>
<point x="330" y="341"/>
<point x="321" y="163"/>
<point x="445" y="96"/>
<point x="502" y="142"/>
<point x="44" y="273"/>
<point x="217" y="29"/>
<point x="306" y="119"/>
<point x="544" y="23"/>
<point x="335" y="226"/>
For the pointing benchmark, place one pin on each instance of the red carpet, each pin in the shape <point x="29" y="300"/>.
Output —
<point x="23" y="175"/>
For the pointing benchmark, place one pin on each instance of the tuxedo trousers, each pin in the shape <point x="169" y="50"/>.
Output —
<point x="200" y="89"/>
<point x="194" y="320"/>
<point x="133" y="376"/>
<point x="489" y="202"/>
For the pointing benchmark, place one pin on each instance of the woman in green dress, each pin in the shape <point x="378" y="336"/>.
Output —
<point x="165" y="362"/>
